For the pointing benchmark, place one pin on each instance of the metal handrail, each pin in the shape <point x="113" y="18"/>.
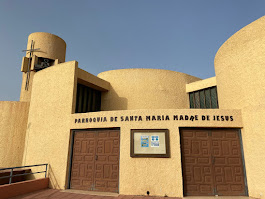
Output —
<point x="12" y="168"/>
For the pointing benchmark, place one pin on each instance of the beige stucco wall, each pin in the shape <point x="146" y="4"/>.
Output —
<point x="240" y="77"/>
<point x="201" y="84"/>
<point x="51" y="106"/>
<point x="160" y="176"/>
<point x="145" y="89"/>
<point x="13" y="125"/>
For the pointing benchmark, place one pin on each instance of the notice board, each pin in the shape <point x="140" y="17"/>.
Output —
<point x="150" y="143"/>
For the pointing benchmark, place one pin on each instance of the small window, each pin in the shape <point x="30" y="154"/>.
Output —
<point x="205" y="98"/>
<point x="197" y="99"/>
<point x="43" y="63"/>
<point x="87" y="99"/>
<point x="202" y="99"/>
<point x="214" y="97"/>
<point x="192" y="100"/>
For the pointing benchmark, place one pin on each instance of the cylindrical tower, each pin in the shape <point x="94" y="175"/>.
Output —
<point x="240" y="76"/>
<point x="146" y="89"/>
<point x="239" y="67"/>
<point x="43" y="50"/>
<point x="51" y="46"/>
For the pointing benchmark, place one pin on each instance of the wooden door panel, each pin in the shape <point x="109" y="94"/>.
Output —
<point x="95" y="161"/>
<point x="83" y="160"/>
<point x="228" y="165"/>
<point x="212" y="162"/>
<point x="107" y="172"/>
<point x="196" y="157"/>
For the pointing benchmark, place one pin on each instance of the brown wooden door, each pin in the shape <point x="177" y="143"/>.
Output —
<point x="227" y="163"/>
<point x="212" y="162"/>
<point x="95" y="161"/>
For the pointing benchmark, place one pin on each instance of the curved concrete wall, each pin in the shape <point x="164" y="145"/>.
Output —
<point x="240" y="77"/>
<point x="145" y="89"/>
<point x="239" y="66"/>
<point x="51" y="46"/>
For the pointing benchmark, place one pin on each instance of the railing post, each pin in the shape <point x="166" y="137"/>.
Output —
<point x="46" y="170"/>
<point x="10" y="178"/>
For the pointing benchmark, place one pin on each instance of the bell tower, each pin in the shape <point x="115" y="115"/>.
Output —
<point x="43" y="50"/>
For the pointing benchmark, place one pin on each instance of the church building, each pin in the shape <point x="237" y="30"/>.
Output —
<point x="133" y="131"/>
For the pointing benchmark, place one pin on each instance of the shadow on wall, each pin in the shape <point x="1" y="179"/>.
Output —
<point x="53" y="182"/>
<point x="30" y="177"/>
<point x="111" y="101"/>
<point x="37" y="175"/>
<point x="24" y="161"/>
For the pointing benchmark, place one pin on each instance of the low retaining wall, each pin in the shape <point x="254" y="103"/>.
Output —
<point x="14" y="179"/>
<point x="20" y="188"/>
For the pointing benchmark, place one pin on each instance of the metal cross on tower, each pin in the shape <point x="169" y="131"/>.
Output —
<point x="31" y="50"/>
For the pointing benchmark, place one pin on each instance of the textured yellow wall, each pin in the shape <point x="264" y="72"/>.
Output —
<point x="160" y="176"/>
<point x="240" y="76"/>
<point x="13" y="125"/>
<point x="48" y="131"/>
<point x="145" y="89"/>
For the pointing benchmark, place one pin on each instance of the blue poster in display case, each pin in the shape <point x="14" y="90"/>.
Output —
<point x="155" y="141"/>
<point x="144" y="141"/>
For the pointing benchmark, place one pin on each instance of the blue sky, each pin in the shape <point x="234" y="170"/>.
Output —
<point x="178" y="35"/>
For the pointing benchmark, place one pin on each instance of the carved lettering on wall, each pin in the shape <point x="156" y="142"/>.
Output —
<point x="147" y="118"/>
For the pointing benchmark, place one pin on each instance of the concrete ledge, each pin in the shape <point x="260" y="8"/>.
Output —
<point x="92" y="81"/>
<point x="201" y="84"/>
<point x="20" y="188"/>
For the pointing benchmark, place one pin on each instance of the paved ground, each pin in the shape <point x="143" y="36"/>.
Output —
<point x="58" y="194"/>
